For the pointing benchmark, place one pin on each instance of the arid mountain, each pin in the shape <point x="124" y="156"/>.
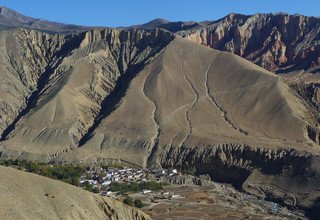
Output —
<point x="29" y="196"/>
<point x="72" y="78"/>
<point x="156" y="23"/>
<point x="63" y="93"/>
<point x="277" y="42"/>
<point x="152" y="98"/>
<point x="12" y="19"/>
<point x="281" y="43"/>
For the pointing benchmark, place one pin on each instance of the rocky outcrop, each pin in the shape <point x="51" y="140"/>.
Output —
<point x="309" y="92"/>
<point x="277" y="42"/>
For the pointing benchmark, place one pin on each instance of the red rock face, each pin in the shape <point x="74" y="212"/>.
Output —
<point x="276" y="42"/>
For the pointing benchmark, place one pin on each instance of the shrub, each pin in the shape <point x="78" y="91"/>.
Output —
<point x="8" y="162"/>
<point x="135" y="187"/>
<point x="32" y="167"/>
<point x="96" y="190"/>
<point x="88" y="187"/>
<point x="138" y="203"/>
<point x="128" y="201"/>
<point x="66" y="173"/>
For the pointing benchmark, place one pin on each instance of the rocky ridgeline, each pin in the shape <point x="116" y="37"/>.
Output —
<point x="277" y="42"/>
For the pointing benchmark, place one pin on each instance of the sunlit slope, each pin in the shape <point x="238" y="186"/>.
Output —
<point x="70" y="92"/>
<point x="29" y="196"/>
<point x="192" y="96"/>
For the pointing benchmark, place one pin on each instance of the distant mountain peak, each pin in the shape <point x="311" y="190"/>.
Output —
<point x="153" y="23"/>
<point x="3" y="9"/>
<point x="160" y="20"/>
<point x="7" y="12"/>
<point x="12" y="19"/>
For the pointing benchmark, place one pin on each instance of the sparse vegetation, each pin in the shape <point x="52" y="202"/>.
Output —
<point x="67" y="173"/>
<point x="136" y="187"/>
<point x="90" y="187"/>
<point x="128" y="201"/>
<point x="138" y="203"/>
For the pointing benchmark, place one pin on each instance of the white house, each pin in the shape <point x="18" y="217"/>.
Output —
<point x="146" y="191"/>
<point x="106" y="183"/>
<point x="83" y="181"/>
<point x="172" y="172"/>
<point x="115" y="179"/>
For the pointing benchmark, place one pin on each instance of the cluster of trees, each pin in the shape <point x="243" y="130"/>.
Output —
<point x="87" y="186"/>
<point x="136" y="187"/>
<point x="67" y="173"/>
<point x="130" y="202"/>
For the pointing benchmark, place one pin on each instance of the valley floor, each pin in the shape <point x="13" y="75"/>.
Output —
<point x="212" y="202"/>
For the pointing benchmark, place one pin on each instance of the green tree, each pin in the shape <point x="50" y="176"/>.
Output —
<point x="8" y="162"/>
<point x="96" y="190"/>
<point x="128" y="201"/>
<point x="138" y="203"/>
<point x="32" y="167"/>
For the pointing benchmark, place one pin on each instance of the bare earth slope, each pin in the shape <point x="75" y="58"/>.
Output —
<point x="69" y="92"/>
<point x="281" y="43"/>
<point x="29" y="196"/>
<point x="191" y="96"/>
<point x="216" y="113"/>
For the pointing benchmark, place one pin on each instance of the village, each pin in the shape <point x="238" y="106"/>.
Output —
<point x="105" y="180"/>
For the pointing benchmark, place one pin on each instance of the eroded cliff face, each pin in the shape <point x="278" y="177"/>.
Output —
<point x="28" y="59"/>
<point x="282" y="175"/>
<point x="276" y="42"/>
<point x="188" y="98"/>
<point x="117" y="56"/>
<point x="68" y="80"/>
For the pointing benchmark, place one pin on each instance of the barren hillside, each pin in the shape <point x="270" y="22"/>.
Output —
<point x="29" y="196"/>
